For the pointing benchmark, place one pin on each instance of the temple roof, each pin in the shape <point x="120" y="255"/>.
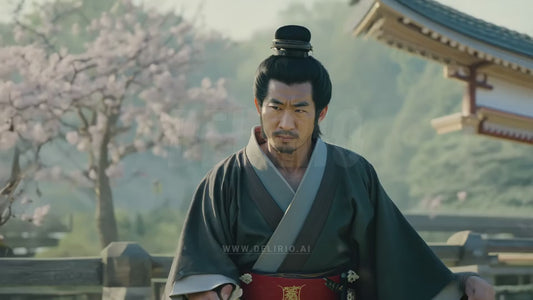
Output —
<point x="495" y="63"/>
<point x="418" y="26"/>
<point x="475" y="28"/>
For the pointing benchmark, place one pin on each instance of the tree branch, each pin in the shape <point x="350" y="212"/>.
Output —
<point x="19" y="7"/>
<point x="39" y="34"/>
<point x="83" y="119"/>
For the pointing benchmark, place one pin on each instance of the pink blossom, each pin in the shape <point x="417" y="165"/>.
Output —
<point x="461" y="196"/>
<point x="8" y="139"/>
<point x="39" y="213"/>
<point x="115" y="171"/>
<point x="72" y="137"/>
<point x="59" y="93"/>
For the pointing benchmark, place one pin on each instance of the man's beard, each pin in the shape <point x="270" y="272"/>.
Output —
<point x="284" y="149"/>
<point x="281" y="149"/>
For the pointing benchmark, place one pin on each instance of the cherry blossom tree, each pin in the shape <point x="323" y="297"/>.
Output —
<point x="126" y="92"/>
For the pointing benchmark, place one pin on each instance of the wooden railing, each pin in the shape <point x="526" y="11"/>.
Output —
<point x="515" y="226"/>
<point x="469" y="248"/>
<point x="126" y="271"/>
<point x="25" y="238"/>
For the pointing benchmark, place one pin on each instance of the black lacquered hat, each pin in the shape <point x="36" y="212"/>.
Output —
<point x="293" y="41"/>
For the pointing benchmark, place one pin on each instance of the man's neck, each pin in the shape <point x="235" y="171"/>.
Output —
<point x="290" y="162"/>
<point x="291" y="165"/>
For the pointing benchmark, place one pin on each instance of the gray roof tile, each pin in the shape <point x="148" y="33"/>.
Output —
<point x="475" y="28"/>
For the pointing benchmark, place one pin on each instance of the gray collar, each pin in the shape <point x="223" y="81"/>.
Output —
<point x="272" y="179"/>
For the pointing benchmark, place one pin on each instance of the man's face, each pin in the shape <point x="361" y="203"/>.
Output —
<point x="288" y="116"/>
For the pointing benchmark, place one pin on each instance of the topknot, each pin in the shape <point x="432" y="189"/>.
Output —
<point x="293" y="32"/>
<point x="292" y="41"/>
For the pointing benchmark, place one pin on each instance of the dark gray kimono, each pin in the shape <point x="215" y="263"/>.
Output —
<point x="352" y="224"/>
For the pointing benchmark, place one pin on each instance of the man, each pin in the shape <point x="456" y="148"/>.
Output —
<point x="291" y="217"/>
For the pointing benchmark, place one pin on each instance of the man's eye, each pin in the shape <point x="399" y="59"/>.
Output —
<point x="275" y="107"/>
<point x="299" y="110"/>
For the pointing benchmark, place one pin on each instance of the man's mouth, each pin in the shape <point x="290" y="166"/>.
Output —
<point x="285" y="135"/>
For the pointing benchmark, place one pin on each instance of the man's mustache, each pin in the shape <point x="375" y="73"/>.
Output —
<point x="285" y="133"/>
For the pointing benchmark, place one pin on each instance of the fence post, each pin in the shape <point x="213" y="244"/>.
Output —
<point x="127" y="272"/>
<point x="474" y="246"/>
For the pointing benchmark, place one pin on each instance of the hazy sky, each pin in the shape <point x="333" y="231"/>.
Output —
<point x="240" y="18"/>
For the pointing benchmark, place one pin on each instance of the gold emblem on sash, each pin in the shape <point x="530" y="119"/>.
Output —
<point x="291" y="292"/>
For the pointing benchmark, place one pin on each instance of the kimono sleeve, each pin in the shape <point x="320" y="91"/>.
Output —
<point x="201" y="263"/>
<point x="405" y="266"/>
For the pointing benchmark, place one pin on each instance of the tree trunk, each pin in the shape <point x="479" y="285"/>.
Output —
<point x="105" y="212"/>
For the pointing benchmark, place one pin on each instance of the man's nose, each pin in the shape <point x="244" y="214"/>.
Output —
<point x="287" y="121"/>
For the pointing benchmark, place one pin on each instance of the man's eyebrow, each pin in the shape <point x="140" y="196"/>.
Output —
<point x="275" y="101"/>
<point x="301" y="104"/>
<point x="297" y="104"/>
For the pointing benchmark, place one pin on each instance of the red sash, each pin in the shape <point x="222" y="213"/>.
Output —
<point x="264" y="287"/>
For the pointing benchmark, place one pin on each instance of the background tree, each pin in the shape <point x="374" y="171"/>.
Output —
<point x="7" y="192"/>
<point x="125" y="92"/>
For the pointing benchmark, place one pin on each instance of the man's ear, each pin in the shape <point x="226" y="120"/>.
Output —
<point x="322" y="114"/>
<point x="257" y="106"/>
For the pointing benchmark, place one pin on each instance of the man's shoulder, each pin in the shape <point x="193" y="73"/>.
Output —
<point x="354" y="166"/>
<point x="236" y="158"/>
<point x="346" y="157"/>
<point x="228" y="165"/>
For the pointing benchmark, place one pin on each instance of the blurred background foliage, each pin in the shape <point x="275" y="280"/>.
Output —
<point x="383" y="101"/>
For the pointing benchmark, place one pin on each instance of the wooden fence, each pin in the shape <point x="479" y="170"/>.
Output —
<point x="25" y="238"/>
<point x="126" y="271"/>
<point x="515" y="226"/>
